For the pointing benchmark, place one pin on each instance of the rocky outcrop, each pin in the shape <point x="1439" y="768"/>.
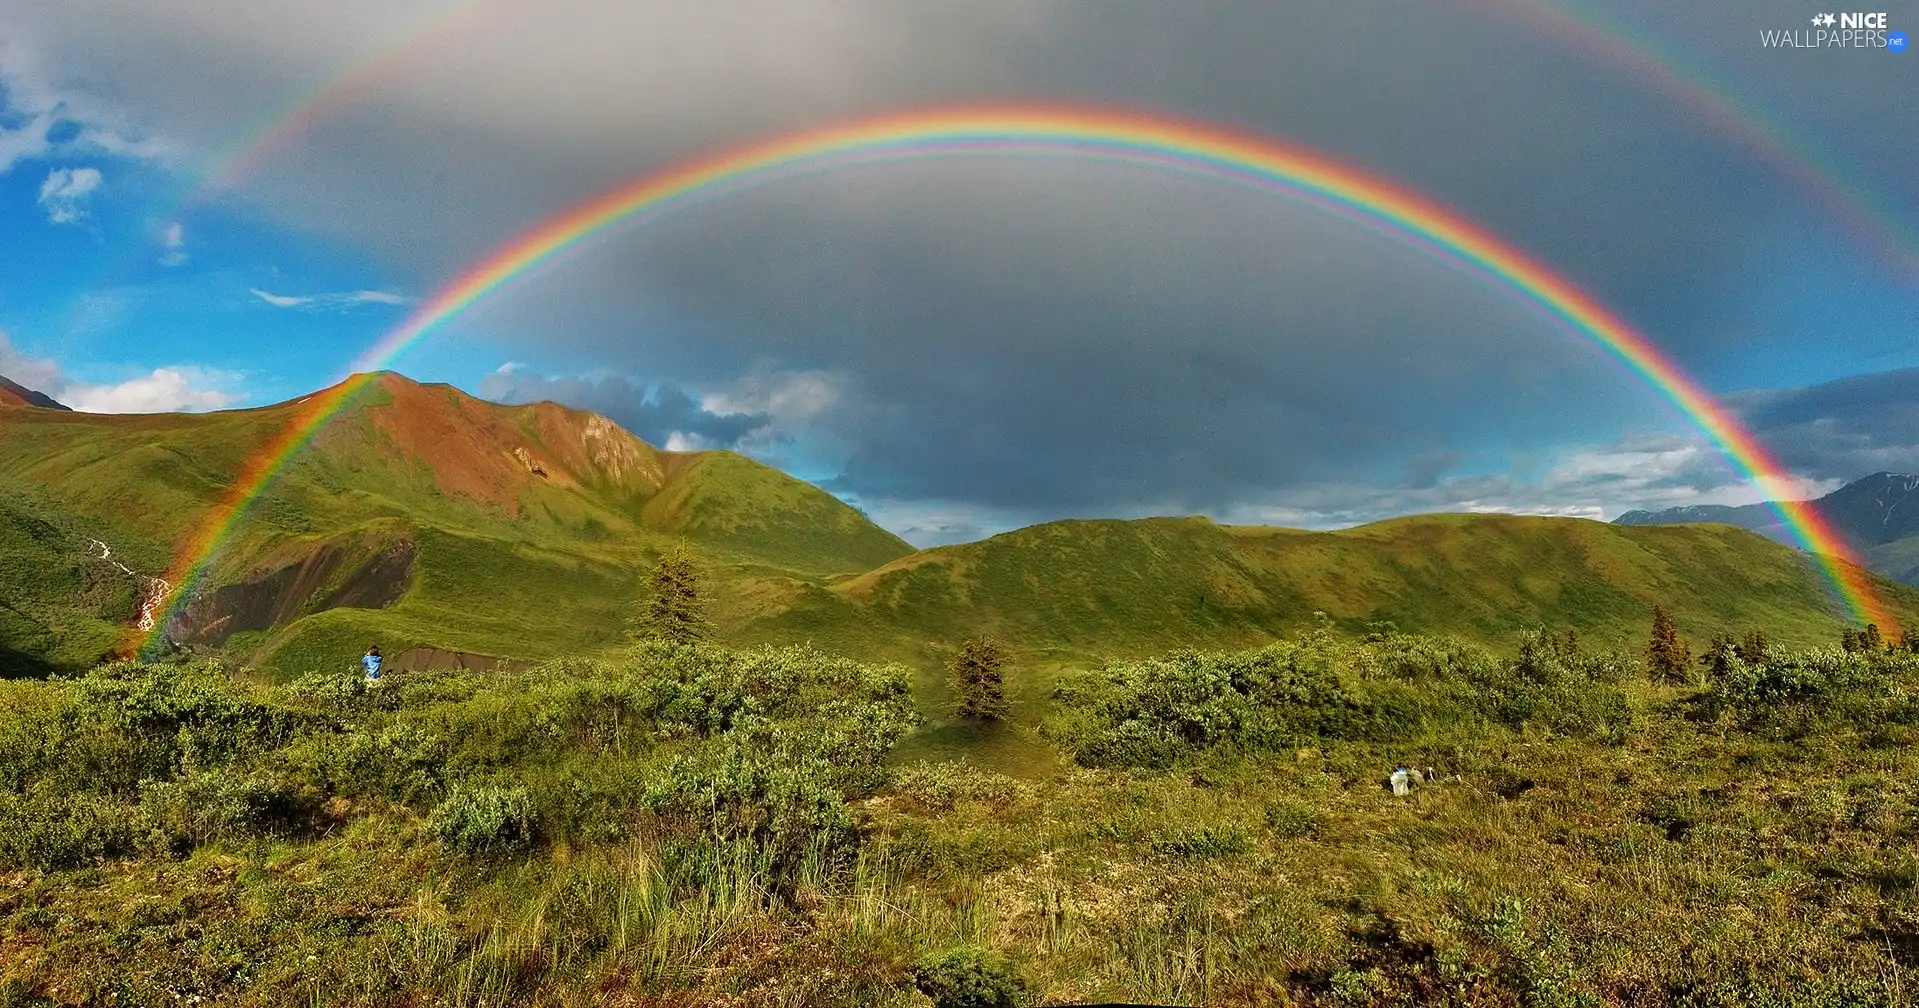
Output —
<point x="278" y="597"/>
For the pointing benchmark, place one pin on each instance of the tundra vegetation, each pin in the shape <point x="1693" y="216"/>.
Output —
<point x="679" y="823"/>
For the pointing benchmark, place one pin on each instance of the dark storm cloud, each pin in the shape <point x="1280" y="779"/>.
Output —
<point x="1208" y="348"/>
<point x="1843" y="429"/>
<point x="656" y="414"/>
<point x="1035" y="338"/>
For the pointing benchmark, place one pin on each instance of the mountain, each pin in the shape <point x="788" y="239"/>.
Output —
<point x="419" y="514"/>
<point x="453" y="530"/>
<point x="1877" y="515"/>
<point x="1104" y="587"/>
<point x="12" y="394"/>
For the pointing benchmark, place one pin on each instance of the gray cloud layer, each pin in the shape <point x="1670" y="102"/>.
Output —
<point x="1841" y="429"/>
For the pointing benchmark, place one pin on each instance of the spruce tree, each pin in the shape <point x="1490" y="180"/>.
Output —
<point x="979" y="680"/>
<point x="675" y="613"/>
<point x="1717" y="661"/>
<point x="1667" y="656"/>
<point x="1866" y="640"/>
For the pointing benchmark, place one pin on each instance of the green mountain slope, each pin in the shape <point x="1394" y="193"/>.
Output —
<point x="1106" y="587"/>
<point x="63" y="604"/>
<point x="1877" y="515"/>
<point x="418" y="517"/>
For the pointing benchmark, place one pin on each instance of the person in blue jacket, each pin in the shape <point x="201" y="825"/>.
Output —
<point x="371" y="662"/>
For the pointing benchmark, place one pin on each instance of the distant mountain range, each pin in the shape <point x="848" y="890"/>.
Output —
<point x="1878" y="516"/>
<point x="429" y="521"/>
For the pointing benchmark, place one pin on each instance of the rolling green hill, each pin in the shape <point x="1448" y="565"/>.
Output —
<point x="1082" y="588"/>
<point x="420" y="517"/>
<point x="1877" y="515"/>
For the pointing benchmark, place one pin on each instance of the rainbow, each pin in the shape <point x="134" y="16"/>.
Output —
<point x="294" y="119"/>
<point x="1112" y="136"/>
<point x="1763" y="135"/>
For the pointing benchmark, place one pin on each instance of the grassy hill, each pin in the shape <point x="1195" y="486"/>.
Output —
<point x="62" y="605"/>
<point x="1877" y="515"/>
<point x="525" y="528"/>
<point x="419" y="516"/>
<point x="1079" y="588"/>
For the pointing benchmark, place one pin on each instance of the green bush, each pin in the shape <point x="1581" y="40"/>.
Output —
<point x="68" y="831"/>
<point x="943" y="785"/>
<point x="402" y="762"/>
<point x="1200" y="843"/>
<point x="133" y="722"/>
<point x="220" y="803"/>
<point x="1786" y="695"/>
<point x="968" y="977"/>
<point x="1153" y="712"/>
<point x="485" y="819"/>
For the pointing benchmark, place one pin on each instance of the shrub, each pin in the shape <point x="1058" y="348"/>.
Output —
<point x="485" y="819"/>
<point x="339" y="688"/>
<point x="943" y="785"/>
<point x="968" y="977"/>
<point x="1200" y="843"/>
<point x="68" y="831"/>
<point x="1791" y="695"/>
<point x="402" y="762"/>
<point x="220" y="803"/>
<point x="788" y="809"/>
<point x="131" y="722"/>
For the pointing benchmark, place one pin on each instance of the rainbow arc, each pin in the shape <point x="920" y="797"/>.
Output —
<point x="1289" y="171"/>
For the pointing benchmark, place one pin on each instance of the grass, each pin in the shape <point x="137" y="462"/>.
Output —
<point x="1744" y="838"/>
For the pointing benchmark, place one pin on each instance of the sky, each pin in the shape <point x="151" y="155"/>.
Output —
<point x="965" y="344"/>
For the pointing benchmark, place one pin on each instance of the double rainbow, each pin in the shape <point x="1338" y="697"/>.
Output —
<point x="1119" y="137"/>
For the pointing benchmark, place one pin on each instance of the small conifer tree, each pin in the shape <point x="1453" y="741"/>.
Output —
<point x="1667" y="656"/>
<point x="1867" y="640"/>
<point x="675" y="613"/>
<point x="979" y="680"/>
<point x="1719" y="655"/>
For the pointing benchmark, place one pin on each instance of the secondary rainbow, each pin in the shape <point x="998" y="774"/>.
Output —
<point x="1116" y="136"/>
<point x="1818" y="173"/>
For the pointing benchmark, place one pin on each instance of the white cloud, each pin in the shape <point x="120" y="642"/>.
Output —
<point x="338" y="301"/>
<point x="65" y="191"/>
<point x="788" y="397"/>
<point x="930" y="523"/>
<point x="171" y="242"/>
<point x="682" y="441"/>
<point x="36" y="110"/>
<point x="166" y="390"/>
<point x="280" y="300"/>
